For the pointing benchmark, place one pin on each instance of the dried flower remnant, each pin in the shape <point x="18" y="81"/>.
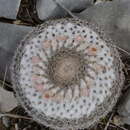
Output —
<point x="66" y="74"/>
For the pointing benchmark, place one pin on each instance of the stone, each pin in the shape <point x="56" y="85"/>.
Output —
<point x="9" y="8"/>
<point x="114" y="18"/>
<point x="7" y="100"/>
<point x="124" y="108"/>
<point x="48" y="8"/>
<point x="10" y="37"/>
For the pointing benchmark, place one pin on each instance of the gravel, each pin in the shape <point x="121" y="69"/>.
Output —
<point x="9" y="8"/>
<point x="10" y="37"/>
<point x="48" y="9"/>
<point x="114" y="19"/>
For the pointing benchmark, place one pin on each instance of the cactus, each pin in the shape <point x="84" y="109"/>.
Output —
<point x="67" y="74"/>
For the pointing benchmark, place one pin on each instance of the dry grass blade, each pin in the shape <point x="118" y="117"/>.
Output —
<point x="6" y="69"/>
<point x="15" y="116"/>
<point x="106" y="127"/>
<point x="121" y="49"/>
<point x="63" y="7"/>
<point x="116" y="126"/>
<point x="5" y="84"/>
<point x="16" y="127"/>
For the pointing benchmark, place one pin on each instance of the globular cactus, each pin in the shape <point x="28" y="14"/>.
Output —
<point x="67" y="74"/>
